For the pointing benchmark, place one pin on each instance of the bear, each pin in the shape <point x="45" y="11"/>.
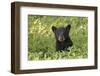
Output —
<point x="63" y="40"/>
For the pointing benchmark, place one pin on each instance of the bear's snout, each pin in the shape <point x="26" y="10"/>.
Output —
<point x="61" y="38"/>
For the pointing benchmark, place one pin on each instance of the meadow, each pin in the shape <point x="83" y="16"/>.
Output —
<point x="41" y="39"/>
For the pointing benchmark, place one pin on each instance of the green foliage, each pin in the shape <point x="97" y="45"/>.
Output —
<point x="41" y="40"/>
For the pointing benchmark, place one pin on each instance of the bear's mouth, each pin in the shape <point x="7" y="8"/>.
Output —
<point x="61" y="40"/>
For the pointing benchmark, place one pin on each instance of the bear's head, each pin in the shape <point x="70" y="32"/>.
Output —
<point x="61" y="33"/>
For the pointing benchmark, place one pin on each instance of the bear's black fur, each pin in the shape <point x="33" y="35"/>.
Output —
<point x="63" y="40"/>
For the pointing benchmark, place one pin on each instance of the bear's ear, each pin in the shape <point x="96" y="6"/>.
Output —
<point x="54" y="28"/>
<point x="68" y="27"/>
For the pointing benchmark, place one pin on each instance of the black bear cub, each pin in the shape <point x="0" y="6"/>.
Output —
<point x="63" y="40"/>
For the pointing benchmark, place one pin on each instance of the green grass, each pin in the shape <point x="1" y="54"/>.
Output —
<point x="41" y="39"/>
